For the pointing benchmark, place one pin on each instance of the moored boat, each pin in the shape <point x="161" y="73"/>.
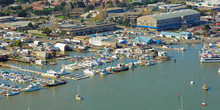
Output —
<point x="32" y="87"/>
<point x="52" y="83"/>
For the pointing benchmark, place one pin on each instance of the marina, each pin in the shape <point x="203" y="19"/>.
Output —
<point x="131" y="78"/>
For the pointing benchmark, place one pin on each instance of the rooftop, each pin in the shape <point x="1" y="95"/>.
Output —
<point x="174" y="14"/>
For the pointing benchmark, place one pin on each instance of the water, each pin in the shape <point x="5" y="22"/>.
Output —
<point x="144" y="88"/>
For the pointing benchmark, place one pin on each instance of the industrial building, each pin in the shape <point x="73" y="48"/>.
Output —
<point x="170" y="20"/>
<point x="90" y="29"/>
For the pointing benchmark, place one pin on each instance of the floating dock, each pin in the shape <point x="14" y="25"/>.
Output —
<point x="74" y="76"/>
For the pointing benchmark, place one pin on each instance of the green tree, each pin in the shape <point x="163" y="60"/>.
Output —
<point x="206" y="27"/>
<point x="82" y="20"/>
<point x="30" y="25"/>
<point x="17" y="43"/>
<point x="46" y="31"/>
<point x="188" y="6"/>
<point x="22" y="13"/>
<point x="88" y="8"/>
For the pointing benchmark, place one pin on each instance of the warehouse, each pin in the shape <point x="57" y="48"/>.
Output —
<point x="170" y="20"/>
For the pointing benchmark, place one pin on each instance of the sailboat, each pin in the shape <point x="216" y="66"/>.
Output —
<point x="180" y="101"/>
<point x="205" y="87"/>
<point x="192" y="82"/>
<point x="78" y="97"/>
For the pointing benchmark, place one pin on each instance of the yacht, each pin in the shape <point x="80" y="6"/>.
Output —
<point x="89" y="71"/>
<point x="62" y="72"/>
<point x="206" y="59"/>
<point x="32" y="87"/>
<point x="50" y="73"/>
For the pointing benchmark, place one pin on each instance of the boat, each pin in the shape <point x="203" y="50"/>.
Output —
<point x="209" y="59"/>
<point x="218" y="70"/>
<point x="50" y="73"/>
<point x="11" y="93"/>
<point x="104" y="72"/>
<point x="62" y="72"/>
<point x="89" y="71"/>
<point x="180" y="102"/>
<point x="39" y="62"/>
<point x="52" y="83"/>
<point x="205" y="87"/>
<point x="204" y="104"/>
<point x="32" y="87"/>
<point x="192" y="82"/>
<point x="78" y="97"/>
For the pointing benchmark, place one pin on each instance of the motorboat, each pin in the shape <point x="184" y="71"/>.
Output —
<point x="11" y="93"/>
<point x="32" y="87"/>
<point x="89" y="71"/>
<point x="62" y="72"/>
<point x="50" y="73"/>
<point x="104" y="72"/>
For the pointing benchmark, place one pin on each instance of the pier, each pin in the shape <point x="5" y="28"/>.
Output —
<point x="195" y="46"/>
<point x="19" y="68"/>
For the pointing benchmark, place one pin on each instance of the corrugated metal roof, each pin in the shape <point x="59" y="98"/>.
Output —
<point x="143" y="39"/>
<point x="170" y="33"/>
<point x="174" y="14"/>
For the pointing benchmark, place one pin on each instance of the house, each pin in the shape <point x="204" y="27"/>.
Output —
<point x="143" y="40"/>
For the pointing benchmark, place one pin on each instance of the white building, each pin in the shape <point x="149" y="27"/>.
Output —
<point x="62" y="47"/>
<point x="97" y="41"/>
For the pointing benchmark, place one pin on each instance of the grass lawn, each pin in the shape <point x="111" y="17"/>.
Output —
<point x="42" y="35"/>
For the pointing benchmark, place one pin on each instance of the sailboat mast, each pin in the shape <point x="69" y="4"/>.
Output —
<point x="204" y="78"/>
<point x="78" y="88"/>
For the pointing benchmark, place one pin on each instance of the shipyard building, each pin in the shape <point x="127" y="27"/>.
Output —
<point x="170" y="20"/>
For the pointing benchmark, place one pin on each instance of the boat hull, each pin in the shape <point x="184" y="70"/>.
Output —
<point x="56" y="84"/>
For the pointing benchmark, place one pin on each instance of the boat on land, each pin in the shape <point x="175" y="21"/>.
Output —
<point x="52" y="83"/>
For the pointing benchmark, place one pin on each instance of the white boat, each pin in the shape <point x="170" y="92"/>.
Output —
<point x="11" y="93"/>
<point x="69" y="67"/>
<point x="62" y="72"/>
<point x="208" y="59"/>
<point x="50" y="73"/>
<point x="205" y="87"/>
<point x="39" y="62"/>
<point x="78" y="97"/>
<point x="104" y="72"/>
<point x="218" y="70"/>
<point x="89" y="71"/>
<point x="32" y="87"/>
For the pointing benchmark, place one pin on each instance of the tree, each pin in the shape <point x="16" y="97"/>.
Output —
<point x="189" y="6"/>
<point x="22" y="13"/>
<point x="30" y="25"/>
<point x="82" y="20"/>
<point x="88" y="8"/>
<point x="46" y="31"/>
<point x="206" y="27"/>
<point x="17" y="43"/>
